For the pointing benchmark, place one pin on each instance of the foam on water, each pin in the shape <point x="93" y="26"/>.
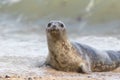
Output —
<point x="10" y="2"/>
<point x="101" y="43"/>
<point x="22" y="55"/>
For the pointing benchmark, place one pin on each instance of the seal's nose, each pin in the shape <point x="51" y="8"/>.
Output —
<point x="54" y="26"/>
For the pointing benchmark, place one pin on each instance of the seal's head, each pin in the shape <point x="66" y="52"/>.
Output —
<point x="56" y="30"/>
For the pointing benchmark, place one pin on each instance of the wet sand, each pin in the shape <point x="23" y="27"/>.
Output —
<point x="52" y="74"/>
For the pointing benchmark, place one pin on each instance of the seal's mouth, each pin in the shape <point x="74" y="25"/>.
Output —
<point x="53" y="31"/>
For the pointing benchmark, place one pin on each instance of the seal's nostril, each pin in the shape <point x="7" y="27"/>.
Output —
<point x="54" y="26"/>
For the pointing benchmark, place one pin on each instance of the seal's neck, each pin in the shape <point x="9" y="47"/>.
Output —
<point x="57" y="45"/>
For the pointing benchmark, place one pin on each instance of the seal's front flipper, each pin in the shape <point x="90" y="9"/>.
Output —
<point x="85" y="68"/>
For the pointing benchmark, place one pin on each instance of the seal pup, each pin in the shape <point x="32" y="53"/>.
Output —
<point x="65" y="55"/>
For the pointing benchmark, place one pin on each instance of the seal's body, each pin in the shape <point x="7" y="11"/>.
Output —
<point x="72" y="56"/>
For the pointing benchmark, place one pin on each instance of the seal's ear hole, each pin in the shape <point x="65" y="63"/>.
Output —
<point x="62" y="25"/>
<point x="49" y="24"/>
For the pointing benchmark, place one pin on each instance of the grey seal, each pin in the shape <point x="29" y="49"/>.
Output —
<point x="65" y="55"/>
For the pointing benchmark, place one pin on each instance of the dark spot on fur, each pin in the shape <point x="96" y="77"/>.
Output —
<point x="7" y="76"/>
<point x="65" y="46"/>
<point x="55" y="57"/>
<point x="64" y="62"/>
<point x="61" y="55"/>
<point x="29" y="78"/>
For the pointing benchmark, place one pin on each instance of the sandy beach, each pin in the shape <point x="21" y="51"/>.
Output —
<point x="52" y="74"/>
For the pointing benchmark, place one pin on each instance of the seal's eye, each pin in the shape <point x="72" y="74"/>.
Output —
<point x="49" y="24"/>
<point x="62" y="25"/>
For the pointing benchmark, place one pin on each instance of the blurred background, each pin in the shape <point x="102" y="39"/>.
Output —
<point x="23" y="22"/>
<point x="82" y="17"/>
